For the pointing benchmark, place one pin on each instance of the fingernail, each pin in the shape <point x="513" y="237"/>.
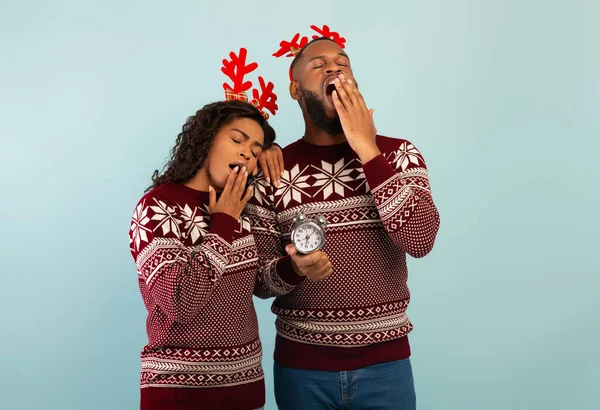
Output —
<point x="342" y="76"/>
<point x="336" y="81"/>
<point x="237" y="168"/>
<point x="210" y="188"/>
<point x="268" y="179"/>
<point x="282" y="173"/>
<point x="277" y="183"/>
<point x="246" y="173"/>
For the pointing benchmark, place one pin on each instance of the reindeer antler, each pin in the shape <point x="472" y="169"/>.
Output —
<point x="291" y="47"/>
<point x="327" y="33"/>
<point x="266" y="98"/>
<point x="236" y="69"/>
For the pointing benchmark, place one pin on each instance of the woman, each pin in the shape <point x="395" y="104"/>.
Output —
<point x="197" y="264"/>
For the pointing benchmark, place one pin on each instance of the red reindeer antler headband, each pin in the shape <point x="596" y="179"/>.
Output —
<point x="293" y="47"/>
<point x="236" y="69"/>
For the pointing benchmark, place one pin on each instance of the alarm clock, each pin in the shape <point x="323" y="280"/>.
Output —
<point x="308" y="235"/>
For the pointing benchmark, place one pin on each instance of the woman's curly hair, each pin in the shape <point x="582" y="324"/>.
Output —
<point x="193" y="143"/>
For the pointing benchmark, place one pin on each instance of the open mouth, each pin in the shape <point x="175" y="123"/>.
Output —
<point x="329" y="89"/>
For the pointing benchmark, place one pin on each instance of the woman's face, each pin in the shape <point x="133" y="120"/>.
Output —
<point x="238" y="143"/>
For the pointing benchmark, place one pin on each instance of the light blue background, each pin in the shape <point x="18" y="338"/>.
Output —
<point x="501" y="97"/>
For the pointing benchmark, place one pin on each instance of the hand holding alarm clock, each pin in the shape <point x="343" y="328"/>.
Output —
<point x="308" y="236"/>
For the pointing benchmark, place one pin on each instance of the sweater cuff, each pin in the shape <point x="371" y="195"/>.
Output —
<point x="286" y="271"/>
<point x="223" y="225"/>
<point x="377" y="171"/>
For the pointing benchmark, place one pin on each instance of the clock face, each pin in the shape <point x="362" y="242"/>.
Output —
<point x="307" y="237"/>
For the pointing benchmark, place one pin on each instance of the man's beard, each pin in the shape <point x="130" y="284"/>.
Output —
<point x="316" y="111"/>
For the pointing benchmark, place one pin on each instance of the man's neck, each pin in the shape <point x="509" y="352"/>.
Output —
<point x="317" y="136"/>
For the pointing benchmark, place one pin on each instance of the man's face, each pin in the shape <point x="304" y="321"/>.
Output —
<point x="320" y="63"/>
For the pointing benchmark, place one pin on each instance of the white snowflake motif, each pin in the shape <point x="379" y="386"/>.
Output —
<point x="361" y="175"/>
<point x="167" y="220"/>
<point x="195" y="225"/>
<point x="406" y="154"/>
<point x="138" y="228"/>
<point x="332" y="178"/>
<point x="259" y="188"/>
<point x="291" y="186"/>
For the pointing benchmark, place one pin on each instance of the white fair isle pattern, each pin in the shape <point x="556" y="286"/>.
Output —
<point x="201" y="380"/>
<point x="354" y="334"/>
<point x="168" y="366"/>
<point x="345" y="205"/>
<point x="361" y="177"/>
<point x="195" y="221"/>
<point x="332" y="178"/>
<point x="339" y="339"/>
<point x="392" y="195"/>
<point x="202" y="367"/>
<point x="352" y="316"/>
<point x="245" y="225"/>
<point x="328" y="178"/>
<point x="260" y="187"/>
<point x="405" y="155"/>
<point x="139" y="230"/>
<point x="166" y="218"/>
<point x="293" y="185"/>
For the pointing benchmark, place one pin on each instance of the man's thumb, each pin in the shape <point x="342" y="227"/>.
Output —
<point x="290" y="249"/>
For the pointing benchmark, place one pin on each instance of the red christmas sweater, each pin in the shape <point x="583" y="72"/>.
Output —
<point x="377" y="213"/>
<point x="197" y="273"/>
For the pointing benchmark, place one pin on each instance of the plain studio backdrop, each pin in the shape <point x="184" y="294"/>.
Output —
<point x="501" y="97"/>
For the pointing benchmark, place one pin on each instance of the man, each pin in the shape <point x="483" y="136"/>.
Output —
<point x="342" y="341"/>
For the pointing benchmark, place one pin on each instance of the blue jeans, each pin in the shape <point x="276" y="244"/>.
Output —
<point x="387" y="386"/>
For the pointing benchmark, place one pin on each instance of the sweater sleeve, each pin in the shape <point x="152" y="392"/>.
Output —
<point x="178" y="278"/>
<point x="401" y="191"/>
<point x="276" y="276"/>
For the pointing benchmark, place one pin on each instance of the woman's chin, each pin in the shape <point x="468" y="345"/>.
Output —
<point x="218" y="186"/>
